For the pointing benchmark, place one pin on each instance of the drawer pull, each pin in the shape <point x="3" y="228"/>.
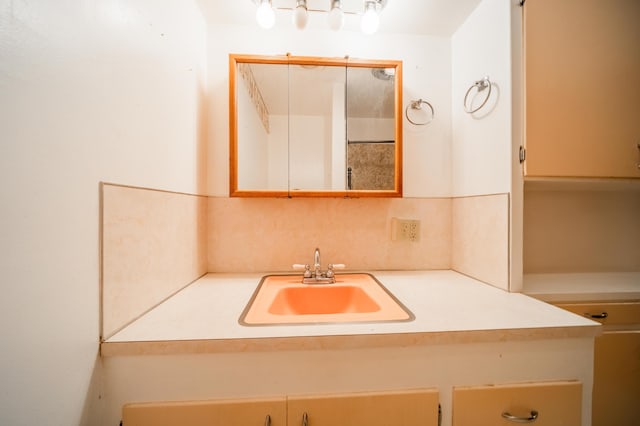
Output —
<point x="267" y="420"/>
<point x="305" y="419"/>
<point x="602" y="315"/>
<point x="532" y="417"/>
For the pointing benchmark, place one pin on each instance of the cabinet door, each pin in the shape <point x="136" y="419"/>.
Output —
<point x="582" y="61"/>
<point x="544" y="404"/>
<point x="401" y="408"/>
<point x="249" y="412"/>
<point x="616" y="379"/>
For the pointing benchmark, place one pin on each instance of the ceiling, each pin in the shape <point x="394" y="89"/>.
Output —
<point x="425" y="17"/>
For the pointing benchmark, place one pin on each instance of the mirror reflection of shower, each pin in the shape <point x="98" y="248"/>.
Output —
<point x="370" y="165"/>
<point x="371" y="128"/>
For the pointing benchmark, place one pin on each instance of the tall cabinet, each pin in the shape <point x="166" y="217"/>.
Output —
<point x="581" y="163"/>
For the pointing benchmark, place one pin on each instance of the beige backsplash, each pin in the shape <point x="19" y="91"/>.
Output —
<point x="272" y="234"/>
<point x="155" y="242"/>
<point x="480" y="238"/>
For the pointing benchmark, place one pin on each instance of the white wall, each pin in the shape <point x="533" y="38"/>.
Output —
<point x="481" y="147"/>
<point x="278" y="154"/>
<point x="296" y="156"/>
<point x="91" y="90"/>
<point x="427" y="75"/>
<point x="253" y="171"/>
<point x="308" y="142"/>
<point x="338" y="160"/>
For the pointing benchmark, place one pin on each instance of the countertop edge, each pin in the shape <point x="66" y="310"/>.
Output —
<point x="360" y="341"/>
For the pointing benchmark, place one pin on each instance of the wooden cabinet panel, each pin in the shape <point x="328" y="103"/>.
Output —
<point x="556" y="403"/>
<point x="582" y="61"/>
<point x="249" y="412"/>
<point x="616" y="379"/>
<point x="401" y="408"/>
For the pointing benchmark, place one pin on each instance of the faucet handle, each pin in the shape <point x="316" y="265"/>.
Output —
<point x="307" y="269"/>
<point x="332" y="266"/>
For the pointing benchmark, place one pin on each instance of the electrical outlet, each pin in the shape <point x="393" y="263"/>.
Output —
<point x="413" y="230"/>
<point x="405" y="229"/>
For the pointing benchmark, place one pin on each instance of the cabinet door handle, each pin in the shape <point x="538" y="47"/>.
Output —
<point x="305" y="419"/>
<point x="267" y="420"/>
<point x="601" y="315"/>
<point x="532" y="417"/>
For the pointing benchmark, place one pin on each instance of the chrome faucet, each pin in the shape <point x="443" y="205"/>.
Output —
<point x="317" y="276"/>
<point x="317" y="272"/>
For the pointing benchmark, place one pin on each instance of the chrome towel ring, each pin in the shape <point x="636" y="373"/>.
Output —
<point x="417" y="105"/>
<point x="480" y="86"/>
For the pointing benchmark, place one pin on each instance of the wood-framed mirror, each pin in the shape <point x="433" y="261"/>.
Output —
<point x="314" y="127"/>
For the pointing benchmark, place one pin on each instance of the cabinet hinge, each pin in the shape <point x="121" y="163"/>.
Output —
<point x="522" y="154"/>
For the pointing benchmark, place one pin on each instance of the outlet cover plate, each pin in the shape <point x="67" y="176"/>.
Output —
<point x="405" y="229"/>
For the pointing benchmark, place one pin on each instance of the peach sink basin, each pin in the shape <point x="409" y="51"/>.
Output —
<point x="283" y="299"/>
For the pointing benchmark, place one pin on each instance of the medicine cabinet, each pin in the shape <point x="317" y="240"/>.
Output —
<point x="314" y="127"/>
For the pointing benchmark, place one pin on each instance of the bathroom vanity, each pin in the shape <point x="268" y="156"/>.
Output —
<point x="466" y="334"/>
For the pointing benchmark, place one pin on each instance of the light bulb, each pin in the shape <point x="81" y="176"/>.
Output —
<point x="265" y="16"/>
<point x="336" y="16"/>
<point x="370" y="19"/>
<point x="300" y="15"/>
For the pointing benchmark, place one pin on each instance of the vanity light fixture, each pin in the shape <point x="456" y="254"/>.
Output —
<point x="300" y="15"/>
<point x="336" y="10"/>
<point x="336" y="15"/>
<point x="370" y="20"/>
<point x="265" y="16"/>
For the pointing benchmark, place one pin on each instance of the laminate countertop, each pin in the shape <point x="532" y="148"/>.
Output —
<point x="449" y="308"/>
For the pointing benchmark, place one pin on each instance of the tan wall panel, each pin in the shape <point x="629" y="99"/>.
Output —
<point x="581" y="231"/>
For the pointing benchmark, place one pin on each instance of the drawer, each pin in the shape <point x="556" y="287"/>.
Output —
<point x="543" y="404"/>
<point x="608" y="313"/>
<point x="205" y="413"/>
